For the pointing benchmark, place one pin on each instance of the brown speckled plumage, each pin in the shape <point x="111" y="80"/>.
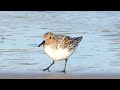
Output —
<point x="61" y="41"/>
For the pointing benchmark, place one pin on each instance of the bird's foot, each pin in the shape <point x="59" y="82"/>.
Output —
<point x="46" y="69"/>
<point x="63" y="71"/>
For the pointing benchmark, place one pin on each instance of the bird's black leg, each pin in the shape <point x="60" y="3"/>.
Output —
<point x="49" y="66"/>
<point x="65" y="66"/>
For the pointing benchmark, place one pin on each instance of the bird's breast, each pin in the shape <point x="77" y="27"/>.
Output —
<point x="58" y="54"/>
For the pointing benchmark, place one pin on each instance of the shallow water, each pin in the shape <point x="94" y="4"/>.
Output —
<point x="21" y="32"/>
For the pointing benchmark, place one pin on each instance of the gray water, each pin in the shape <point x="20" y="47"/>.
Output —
<point x="21" y="32"/>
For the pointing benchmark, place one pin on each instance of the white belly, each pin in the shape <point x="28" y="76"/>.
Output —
<point x="60" y="54"/>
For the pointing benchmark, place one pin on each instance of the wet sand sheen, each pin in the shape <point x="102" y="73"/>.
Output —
<point x="59" y="76"/>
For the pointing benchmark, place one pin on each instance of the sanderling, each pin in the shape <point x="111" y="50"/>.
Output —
<point x="59" y="47"/>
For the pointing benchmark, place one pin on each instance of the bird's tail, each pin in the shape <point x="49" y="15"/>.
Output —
<point x="78" y="39"/>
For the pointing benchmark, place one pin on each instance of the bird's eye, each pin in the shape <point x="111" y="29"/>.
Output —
<point x="50" y="37"/>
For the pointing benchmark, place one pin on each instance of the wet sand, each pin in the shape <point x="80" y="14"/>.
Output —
<point x="57" y="76"/>
<point x="97" y="56"/>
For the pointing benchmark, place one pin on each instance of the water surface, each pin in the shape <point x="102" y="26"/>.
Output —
<point x="21" y="32"/>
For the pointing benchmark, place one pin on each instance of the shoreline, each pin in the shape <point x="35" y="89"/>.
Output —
<point x="59" y="76"/>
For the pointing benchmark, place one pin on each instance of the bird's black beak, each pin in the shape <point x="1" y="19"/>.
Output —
<point x="42" y="43"/>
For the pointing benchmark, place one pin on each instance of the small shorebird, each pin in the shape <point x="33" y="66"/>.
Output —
<point x="59" y="47"/>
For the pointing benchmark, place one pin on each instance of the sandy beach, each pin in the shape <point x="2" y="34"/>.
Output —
<point x="58" y="76"/>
